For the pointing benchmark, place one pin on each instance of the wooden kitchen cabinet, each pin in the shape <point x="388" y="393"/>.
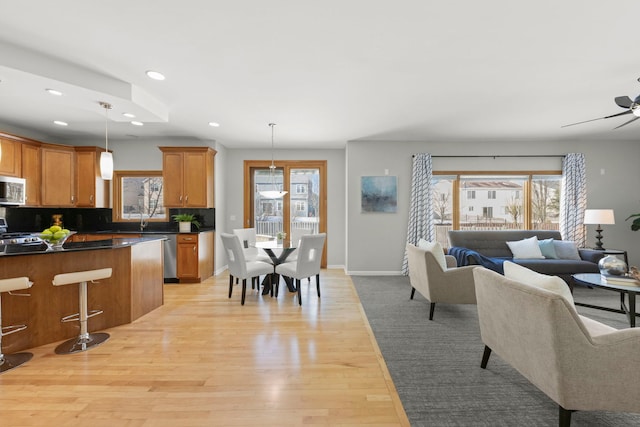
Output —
<point x="58" y="177"/>
<point x="187" y="174"/>
<point x="194" y="259"/>
<point x="31" y="172"/>
<point x="91" y="190"/>
<point x="10" y="158"/>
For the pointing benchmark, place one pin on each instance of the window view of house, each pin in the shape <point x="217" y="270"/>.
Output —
<point x="495" y="202"/>
<point x="302" y="202"/>
<point x="141" y="198"/>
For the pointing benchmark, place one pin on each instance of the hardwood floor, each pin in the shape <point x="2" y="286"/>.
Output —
<point x="202" y="359"/>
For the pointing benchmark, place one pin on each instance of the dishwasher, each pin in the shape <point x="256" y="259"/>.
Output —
<point x="170" y="256"/>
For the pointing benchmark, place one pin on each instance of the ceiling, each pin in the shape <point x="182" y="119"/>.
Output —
<point x="326" y="72"/>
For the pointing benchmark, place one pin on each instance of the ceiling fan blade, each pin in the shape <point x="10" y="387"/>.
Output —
<point x="624" y="101"/>
<point x="579" y="123"/>
<point x="619" y="114"/>
<point x="627" y="122"/>
<point x="599" y="118"/>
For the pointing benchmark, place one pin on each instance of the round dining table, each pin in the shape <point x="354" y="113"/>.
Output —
<point x="278" y="251"/>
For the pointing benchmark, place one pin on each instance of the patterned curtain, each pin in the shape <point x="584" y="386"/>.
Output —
<point x="574" y="199"/>
<point x="421" y="207"/>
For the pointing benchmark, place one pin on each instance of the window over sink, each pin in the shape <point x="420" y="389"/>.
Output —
<point x="137" y="196"/>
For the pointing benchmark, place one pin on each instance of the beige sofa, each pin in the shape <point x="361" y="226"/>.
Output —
<point x="579" y="363"/>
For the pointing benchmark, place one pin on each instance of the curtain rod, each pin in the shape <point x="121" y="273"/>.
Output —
<point x="496" y="156"/>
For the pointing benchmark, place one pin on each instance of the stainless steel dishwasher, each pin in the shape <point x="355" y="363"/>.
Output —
<point x="170" y="256"/>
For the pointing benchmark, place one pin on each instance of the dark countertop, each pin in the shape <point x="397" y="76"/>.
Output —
<point x="80" y="246"/>
<point x="147" y="232"/>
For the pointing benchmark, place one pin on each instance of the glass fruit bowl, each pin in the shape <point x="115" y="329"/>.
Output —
<point x="54" y="239"/>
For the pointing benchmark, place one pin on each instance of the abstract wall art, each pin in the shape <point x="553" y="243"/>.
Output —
<point x="379" y="193"/>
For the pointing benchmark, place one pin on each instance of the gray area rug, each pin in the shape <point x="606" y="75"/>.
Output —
<point x="435" y="365"/>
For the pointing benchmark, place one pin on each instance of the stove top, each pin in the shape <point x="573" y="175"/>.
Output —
<point x="18" y="238"/>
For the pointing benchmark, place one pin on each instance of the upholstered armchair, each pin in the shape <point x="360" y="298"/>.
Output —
<point x="432" y="273"/>
<point x="532" y="324"/>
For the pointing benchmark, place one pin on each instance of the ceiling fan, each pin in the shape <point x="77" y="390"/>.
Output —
<point x="632" y="106"/>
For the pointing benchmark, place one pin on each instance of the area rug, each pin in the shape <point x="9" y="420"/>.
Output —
<point x="435" y="365"/>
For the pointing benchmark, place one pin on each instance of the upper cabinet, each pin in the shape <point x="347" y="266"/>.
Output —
<point x="58" y="177"/>
<point x="31" y="172"/>
<point x="91" y="190"/>
<point x="10" y="158"/>
<point x="187" y="175"/>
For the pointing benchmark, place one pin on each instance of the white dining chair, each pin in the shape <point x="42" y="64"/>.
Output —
<point x="307" y="264"/>
<point x="248" y="238"/>
<point x="239" y="267"/>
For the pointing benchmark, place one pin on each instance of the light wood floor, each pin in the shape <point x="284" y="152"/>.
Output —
<point x="202" y="359"/>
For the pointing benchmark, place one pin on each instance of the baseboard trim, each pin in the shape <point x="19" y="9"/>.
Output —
<point x="374" y="273"/>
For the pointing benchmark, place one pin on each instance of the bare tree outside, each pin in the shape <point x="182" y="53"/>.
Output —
<point x="441" y="204"/>
<point x="514" y="209"/>
<point x="545" y="201"/>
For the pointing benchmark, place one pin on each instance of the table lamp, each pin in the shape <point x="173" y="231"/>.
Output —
<point x="599" y="217"/>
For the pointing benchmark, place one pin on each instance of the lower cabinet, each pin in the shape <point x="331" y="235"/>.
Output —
<point x="194" y="261"/>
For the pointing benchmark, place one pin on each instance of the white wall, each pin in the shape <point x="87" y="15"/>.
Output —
<point x="375" y="241"/>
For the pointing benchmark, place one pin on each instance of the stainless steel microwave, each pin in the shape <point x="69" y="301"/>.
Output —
<point x="12" y="190"/>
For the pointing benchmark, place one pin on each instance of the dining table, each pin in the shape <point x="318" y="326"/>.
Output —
<point x="277" y="251"/>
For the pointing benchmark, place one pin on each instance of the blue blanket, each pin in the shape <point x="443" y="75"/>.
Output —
<point x="466" y="256"/>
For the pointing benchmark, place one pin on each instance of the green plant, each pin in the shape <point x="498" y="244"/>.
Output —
<point x="186" y="218"/>
<point x="635" y="225"/>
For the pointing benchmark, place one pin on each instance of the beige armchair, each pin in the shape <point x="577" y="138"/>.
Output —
<point x="579" y="363"/>
<point x="431" y="274"/>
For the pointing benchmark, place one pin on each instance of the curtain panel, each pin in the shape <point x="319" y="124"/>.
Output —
<point x="421" y="224"/>
<point x="574" y="198"/>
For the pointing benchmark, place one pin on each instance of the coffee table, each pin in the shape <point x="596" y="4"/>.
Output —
<point x="594" y="279"/>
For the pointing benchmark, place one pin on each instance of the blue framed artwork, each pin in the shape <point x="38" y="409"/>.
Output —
<point x="379" y="193"/>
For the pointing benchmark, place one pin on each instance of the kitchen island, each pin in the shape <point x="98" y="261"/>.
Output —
<point x="134" y="289"/>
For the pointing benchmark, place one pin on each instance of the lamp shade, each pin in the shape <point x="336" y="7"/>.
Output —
<point x="106" y="165"/>
<point x="599" y="216"/>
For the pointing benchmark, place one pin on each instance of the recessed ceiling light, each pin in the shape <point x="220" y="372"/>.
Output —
<point x="155" y="75"/>
<point x="214" y="124"/>
<point x="129" y="115"/>
<point x="54" y="92"/>
<point x="137" y="123"/>
<point x="60" y="123"/>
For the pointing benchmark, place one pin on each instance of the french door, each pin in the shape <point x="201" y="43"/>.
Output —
<point x="302" y="210"/>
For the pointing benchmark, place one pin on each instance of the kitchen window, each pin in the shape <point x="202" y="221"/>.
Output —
<point x="137" y="196"/>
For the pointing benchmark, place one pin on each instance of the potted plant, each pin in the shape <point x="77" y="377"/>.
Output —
<point x="184" y="222"/>
<point x="281" y="236"/>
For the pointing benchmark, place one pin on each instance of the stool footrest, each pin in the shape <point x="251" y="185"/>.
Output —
<point x="76" y="317"/>
<point x="12" y="329"/>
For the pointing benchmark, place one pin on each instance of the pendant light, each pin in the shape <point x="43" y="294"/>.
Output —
<point x="275" y="193"/>
<point x="106" y="158"/>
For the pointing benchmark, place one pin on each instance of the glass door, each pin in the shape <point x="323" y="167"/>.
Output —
<point x="302" y="210"/>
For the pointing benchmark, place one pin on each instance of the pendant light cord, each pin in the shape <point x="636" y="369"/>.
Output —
<point x="106" y="107"/>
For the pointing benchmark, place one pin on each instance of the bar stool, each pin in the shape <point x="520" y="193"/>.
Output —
<point x="10" y="361"/>
<point x="85" y="340"/>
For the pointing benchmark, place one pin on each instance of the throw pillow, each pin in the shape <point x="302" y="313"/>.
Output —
<point x="548" y="249"/>
<point x="566" y="250"/>
<point x="526" y="248"/>
<point x="529" y="277"/>
<point x="436" y="249"/>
